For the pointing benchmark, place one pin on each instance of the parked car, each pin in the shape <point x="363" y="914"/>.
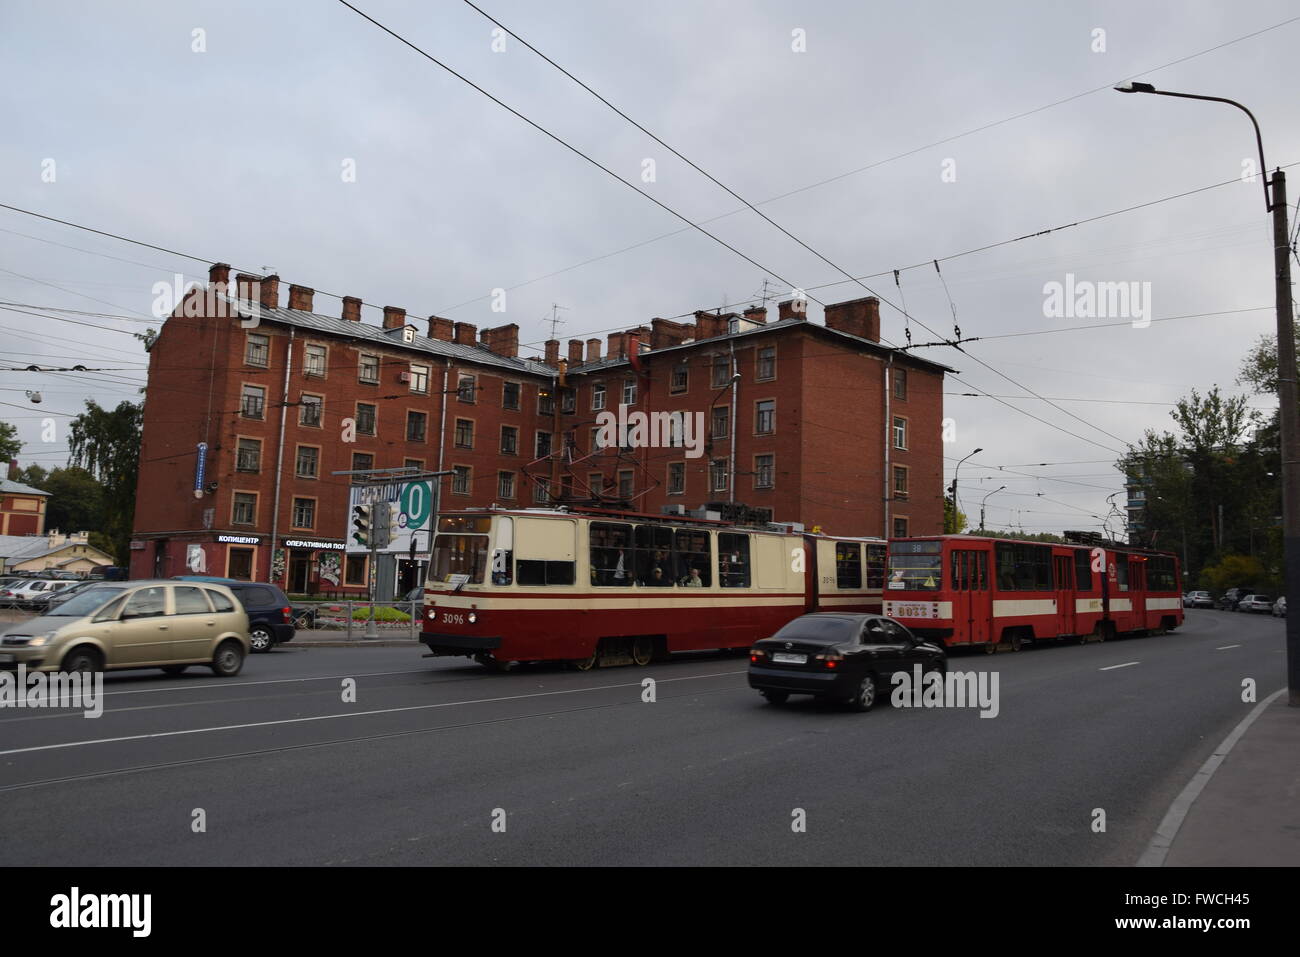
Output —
<point x="1255" y="603"/>
<point x="142" y="624"/>
<point x="270" y="614"/>
<point x="849" y="657"/>
<point x="20" y="595"/>
<point x="1279" y="607"/>
<point x="54" y="589"/>
<point x="1230" y="598"/>
<point x="1198" y="599"/>
<point x="55" y="598"/>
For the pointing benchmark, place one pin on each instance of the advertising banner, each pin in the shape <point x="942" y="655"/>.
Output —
<point x="413" y="513"/>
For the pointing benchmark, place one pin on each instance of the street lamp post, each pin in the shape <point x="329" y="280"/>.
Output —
<point x="985" y="499"/>
<point x="1275" y="203"/>
<point x="955" y="509"/>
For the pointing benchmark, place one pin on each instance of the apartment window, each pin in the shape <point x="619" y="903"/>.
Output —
<point x="900" y="433"/>
<point x="307" y="463"/>
<point x="252" y="401"/>
<point x="369" y="369"/>
<point x="765" y="417"/>
<point x="900" y="482"/>
<point x="505" y="485"/>
<point x="257" y="350"/>
<point x="900" y="383"/>
<point x="720" y="422"/>
<point x="416" y="423"/>
<point x="509" y="440"/>
<point x="721" y="371"/>
<point x="362" y="461"/>
<point x="309" y="410"/>
<point x="419" y="379"/>
<point x="510" y="395"/>
<point x="766" y="363"/>
<point x="597" y="442"/>
<point x="543" y="444"/>
<point x="545" y="402"/>
<point x="314" y="358"/>
<point x="466" y="388"/>
<point x="900" y="528"/>
<point x="625" y="484"/>
<point x="598" y="397"/>
<point x="568" y="402"/>
<point x="629" y="391"/>
<point x="718" y="475"/>
<point x="764" y="471"/>
<point x="365" y="418"/>
<point x="460" y="479"/>
<point x="464" y="433"/>
<point x="541" y="491"/>
<point x="245" y="510"/>
<point x="676" y="478"/>
<point x="596" y="482"/>
<point x="681" y="379"/>
<point x="413" y="464"/>
<point x="248" y="458"/>
<point x="304" y="513"/>
<point x="354" y="573"/>
<point x="241" y="564"/>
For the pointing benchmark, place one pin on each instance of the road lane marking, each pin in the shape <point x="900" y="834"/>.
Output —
<point x="1107" y="668"/>
<point x="352" y="714"/>
<point x="1158" y="849"/>
<point x="1226" y="647"/>
<point x="270" y="681"/>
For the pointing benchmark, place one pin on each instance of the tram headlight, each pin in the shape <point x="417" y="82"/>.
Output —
<point x="431" y="613"/>
<point x="472" y="617"/>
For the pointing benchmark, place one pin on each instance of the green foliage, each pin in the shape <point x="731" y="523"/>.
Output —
<point x="76" y="501"/>
<point x="106" y="443"/>
<point x="10" y="445"/>
<point x="1236" y="571"/>
<point x="954" y="522"/>
<point x="33" y="475"/>
<point x="1259" y="368"/>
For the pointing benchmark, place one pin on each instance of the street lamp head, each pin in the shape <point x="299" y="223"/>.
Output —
<point x="1133" y="86"/>
<point x="977" y="452"/>
<point x="736" y="377"/>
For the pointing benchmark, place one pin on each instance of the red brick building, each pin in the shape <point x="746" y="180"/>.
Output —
<point x="22" y="508"/>
<point x="823" y="426"/>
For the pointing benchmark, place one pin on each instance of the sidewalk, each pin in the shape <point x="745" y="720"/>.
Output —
<point x="1248" y="814"/>
<point x="336" y="639"/>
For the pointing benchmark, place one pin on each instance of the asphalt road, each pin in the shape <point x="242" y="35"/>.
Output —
<point x="585" y="772"/>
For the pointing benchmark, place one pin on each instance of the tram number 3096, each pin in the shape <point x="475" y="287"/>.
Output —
<point x="449" y="619"/>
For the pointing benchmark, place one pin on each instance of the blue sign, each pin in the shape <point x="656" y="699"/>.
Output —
<point x="201" y="467"/>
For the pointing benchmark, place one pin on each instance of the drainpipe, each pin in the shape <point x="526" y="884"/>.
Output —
<point x="279" y="455"/>
<point x="731" y="479"/>
<point x="889" y="428"/>
<point x="442" y="443"/>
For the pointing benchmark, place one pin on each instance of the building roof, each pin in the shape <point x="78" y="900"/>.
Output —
<point x="9" y="486"/>
<point x="349" y="329"/>
<point x="23" y="548"/>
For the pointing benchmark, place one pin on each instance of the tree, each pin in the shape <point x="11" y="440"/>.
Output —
<point x="107" y="445"/>
<point x="10" y="444"/>
<point x="33" y="475"/>
<point x="1235" y="571"/>
<point x="953" y="521"/>
<point x="76" y="502"/>
<point x="1259" y="368"/>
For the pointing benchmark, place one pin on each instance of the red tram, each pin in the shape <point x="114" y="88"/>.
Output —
<point x="963" y="590"/>
<point x="599" y="587"/>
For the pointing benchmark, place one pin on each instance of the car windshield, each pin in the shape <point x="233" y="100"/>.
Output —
<point x="85" y="602"/>
<point x="814" y="628"/>
<point x="1262" y="598"/>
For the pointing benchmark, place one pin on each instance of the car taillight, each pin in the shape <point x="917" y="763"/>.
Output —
<point x="757" y="654"/>
<point x="288" y="614"/>
<point x="831" y="659"/>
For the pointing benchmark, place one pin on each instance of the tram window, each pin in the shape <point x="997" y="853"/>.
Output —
<point x="1083" y="570"/>
<point x="1121" y="571"/>
<point x="733" y="560"/>
<point x="654" y="555"/>
<point x="691" y="551"/>
<point x="983" y="559"/>
<point x="611" y="554"/>
<point x="459" y="555"/>
<point x="876" y="566"/>
<point x="848" y="565"/>
<point x="958" y="562"/>
<point x="532" y="571"/>
<point x="1161" y="575"/>
<point x="1023" y="567"/>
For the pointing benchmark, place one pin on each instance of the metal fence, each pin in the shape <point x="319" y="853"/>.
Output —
<point x="351" y="619"/>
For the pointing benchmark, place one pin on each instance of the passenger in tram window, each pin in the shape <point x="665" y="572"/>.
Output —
<point x="657" y="576"/>
<point x="693" y="579"/>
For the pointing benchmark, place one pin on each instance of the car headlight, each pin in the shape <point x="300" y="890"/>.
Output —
<point x="39" y="641"/>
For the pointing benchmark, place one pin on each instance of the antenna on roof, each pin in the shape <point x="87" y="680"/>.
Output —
<point x="555" y="319"/>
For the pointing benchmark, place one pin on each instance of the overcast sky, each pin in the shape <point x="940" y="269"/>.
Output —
<point x="239" y="153"/>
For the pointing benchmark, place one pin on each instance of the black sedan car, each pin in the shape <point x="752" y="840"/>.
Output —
<point x="847" y="657"/>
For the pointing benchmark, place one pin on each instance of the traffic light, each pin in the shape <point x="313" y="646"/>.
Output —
<point x="362" y="525"/>
<point x="382" y="525"/>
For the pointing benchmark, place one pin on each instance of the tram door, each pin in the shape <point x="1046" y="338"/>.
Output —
<point x="970" y="596"/>
<point x="1065" y="604"/>
<point x="1137" y="589"/>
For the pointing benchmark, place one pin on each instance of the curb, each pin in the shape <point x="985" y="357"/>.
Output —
<point x="1158" y="849"/>
<point x="353" y="643"/>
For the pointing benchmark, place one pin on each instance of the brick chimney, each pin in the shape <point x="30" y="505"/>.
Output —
<point x="575" y="352"/>
<point x="270" y="292"/>
<point x="617" y="345"/>
<point x="503" y="340"/>
<point x="756" y="314"/>
<point x="300" y="298"/>
<point x="859" y="317"/>
<point x="243" y="285"/>
<point x="351" y="308"/>
<point x="394" y="317"/>
<point x="665" y="332"/>
<point x="219" y="273"/>
<point x="593" y="350"/>
<point x="707" y="325"/>
<point x="466" y="333"/>
<point x="552" y="356"/>
<point x="440" y="328"/>
<point x="792" y="309"/>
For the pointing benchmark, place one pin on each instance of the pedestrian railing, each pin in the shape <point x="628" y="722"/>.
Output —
<point x="391" y="619"/>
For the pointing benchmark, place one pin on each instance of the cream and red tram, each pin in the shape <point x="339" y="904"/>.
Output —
<point x="601" y="587"/>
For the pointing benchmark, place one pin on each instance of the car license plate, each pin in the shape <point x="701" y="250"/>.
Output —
<point x="781" y="658"/>
<point x="7" y="659"/>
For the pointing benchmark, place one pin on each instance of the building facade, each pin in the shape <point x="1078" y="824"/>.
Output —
<point x="22" y="509"/>
<point x="252" y="405"/>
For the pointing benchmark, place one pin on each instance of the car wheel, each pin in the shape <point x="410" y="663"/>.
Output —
<point x="83" y="660"/>
<point x="775" y="697"/>
<point x="303" y="622"/>
<point x="865" y="695"/>
<point x="228" y="660"/>
<point x="174" y="670"/>
<point x="261" y="639"/>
